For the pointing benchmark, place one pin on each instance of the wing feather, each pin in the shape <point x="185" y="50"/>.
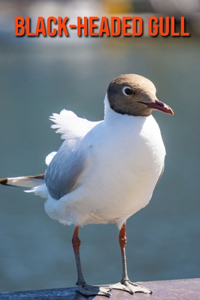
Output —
<point x="70" y="126"/>
<point x="23" y="181"/>
<point x="64" y="172"/>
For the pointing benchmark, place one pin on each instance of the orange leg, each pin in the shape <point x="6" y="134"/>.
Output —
<point x="125" y="284"/>
<point x="122" y="243"/>
<point x="76" y="245"/>
<point x="85" y="289"/>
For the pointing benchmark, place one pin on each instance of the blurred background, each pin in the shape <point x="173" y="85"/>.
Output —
<point x="39" y="76"/>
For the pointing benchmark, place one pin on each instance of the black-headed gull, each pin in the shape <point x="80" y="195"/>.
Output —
<point x="105" y="171"/>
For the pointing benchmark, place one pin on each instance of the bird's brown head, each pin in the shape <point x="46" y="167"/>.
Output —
<point x="135" y="95"/>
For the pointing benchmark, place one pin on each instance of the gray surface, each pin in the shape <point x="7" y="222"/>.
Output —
<point x="38" y="79"/>
<point x="162" y="290"/>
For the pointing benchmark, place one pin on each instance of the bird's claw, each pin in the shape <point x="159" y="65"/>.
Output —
<point x="89" y="290"/>
<point x="130" y="287"/>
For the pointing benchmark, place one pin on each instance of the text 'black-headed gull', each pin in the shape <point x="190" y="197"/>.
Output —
<point x="104" y="171"/>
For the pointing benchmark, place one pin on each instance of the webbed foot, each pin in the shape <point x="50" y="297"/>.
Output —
<point x="90" y="290"/>
<point x="130" y="287"/>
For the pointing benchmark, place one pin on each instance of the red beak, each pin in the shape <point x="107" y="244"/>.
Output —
<point x="158" y="105"/>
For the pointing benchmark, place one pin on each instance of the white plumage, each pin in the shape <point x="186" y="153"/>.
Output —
<point x="70" y="126"/>
<point x="123" y="159"/>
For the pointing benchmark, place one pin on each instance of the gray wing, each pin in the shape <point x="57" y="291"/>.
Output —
<point x="63" y="173"/>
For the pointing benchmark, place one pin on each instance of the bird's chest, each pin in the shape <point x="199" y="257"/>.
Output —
<point x="128" y="164"/>
<point x="133" y="151"/>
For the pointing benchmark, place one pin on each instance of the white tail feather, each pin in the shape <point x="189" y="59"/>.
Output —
<point x="40" y="190"/>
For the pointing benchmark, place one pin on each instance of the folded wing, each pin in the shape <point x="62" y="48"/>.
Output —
<point x="66" y="170"/>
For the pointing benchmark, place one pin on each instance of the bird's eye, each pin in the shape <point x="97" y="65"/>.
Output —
<point x="127" y="91"/>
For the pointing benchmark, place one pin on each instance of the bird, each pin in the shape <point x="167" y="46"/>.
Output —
<point x="105" y="171"/>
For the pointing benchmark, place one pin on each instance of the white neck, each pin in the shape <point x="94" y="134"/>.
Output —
<point x="111" y="116"/>
<point x="109" y="113"/>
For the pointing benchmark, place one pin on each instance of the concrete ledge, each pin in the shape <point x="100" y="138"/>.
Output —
<point x="185" y="289"/>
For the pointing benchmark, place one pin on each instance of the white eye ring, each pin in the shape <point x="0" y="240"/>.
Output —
<point x="127" y="91"/>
